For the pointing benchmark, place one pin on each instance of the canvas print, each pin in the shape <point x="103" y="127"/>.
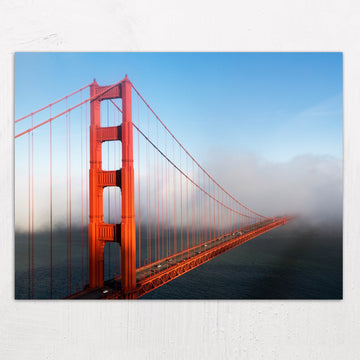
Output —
<point x="178" y="175"/>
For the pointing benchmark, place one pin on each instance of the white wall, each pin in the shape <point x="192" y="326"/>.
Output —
<point x="181" y="329"/>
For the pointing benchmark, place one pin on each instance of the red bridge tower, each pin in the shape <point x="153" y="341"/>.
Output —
<point x="100" y="232"/>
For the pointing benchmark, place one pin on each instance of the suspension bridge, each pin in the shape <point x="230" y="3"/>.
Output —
<point x="110" y="205"/>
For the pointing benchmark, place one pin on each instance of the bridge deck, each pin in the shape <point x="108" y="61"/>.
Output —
<point x="158" y="273"/>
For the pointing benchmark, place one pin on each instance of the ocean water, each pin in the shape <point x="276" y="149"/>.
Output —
<point x="294" y="261"/>
<point x="299" y="260"/>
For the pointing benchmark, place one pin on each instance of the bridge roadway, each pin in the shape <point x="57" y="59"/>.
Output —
<point x="157" y="269"/>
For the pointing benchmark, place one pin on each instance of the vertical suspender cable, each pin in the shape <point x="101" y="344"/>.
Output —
<point x="218" y="214"/>
<point x="199" y="208"/>
<point x="82" y="193"/>
<point x="162" y="210"/>
<point x="29" y="217"/>
<point x="32" y="209"/>
<point x="87" y="180"/>
<point x="166" y="202"/>
<point x="192" y="208"/>
<point x="139" y="188"/>
<point x="158" y="191"/>
<point x="174" y="192"/>
<point x="70" y="198"/>
<point x="148" y="256"/>
<point x="51" y="211"/>
<point x="214" y="212"/>
<point x="67" y="200"/>
<point x="155" y="207"/>
<point x="187" y="206"/>
<point x="181" y="207"/>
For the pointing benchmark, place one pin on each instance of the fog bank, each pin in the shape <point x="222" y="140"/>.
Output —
<point x="308" y="185"/>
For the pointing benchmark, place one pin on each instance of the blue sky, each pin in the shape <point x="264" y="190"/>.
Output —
<point x="274" y="105"/>
<point x="267" y="126"/>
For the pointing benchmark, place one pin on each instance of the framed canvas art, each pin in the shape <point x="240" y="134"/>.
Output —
<point x="178" y="175"/>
